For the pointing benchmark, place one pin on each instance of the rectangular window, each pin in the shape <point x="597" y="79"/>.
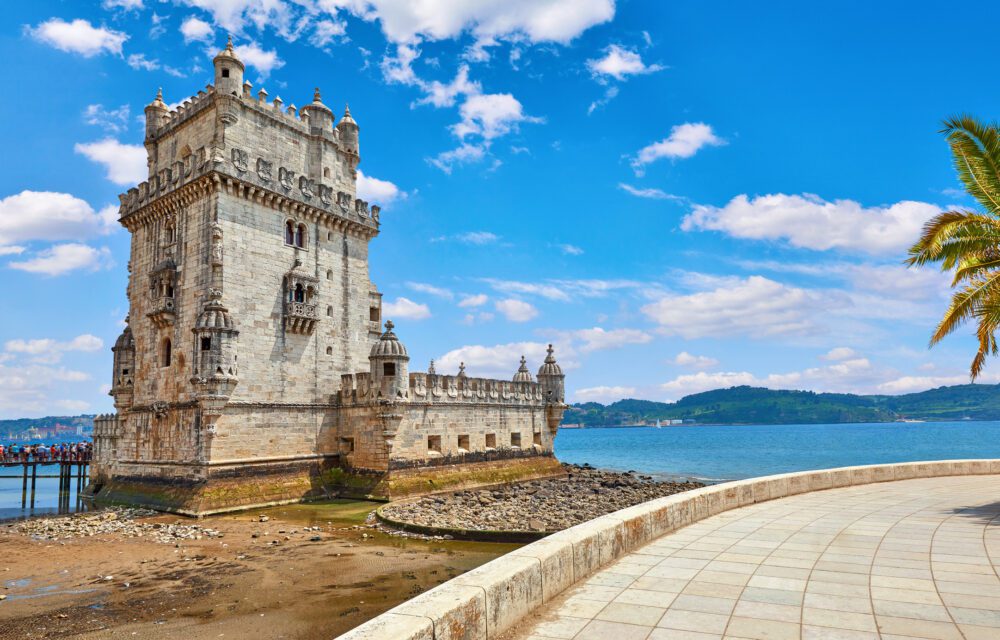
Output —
<point x="388" y="368"/>
<point x="515" y="439"/>
<point x="434" y="443"/>
<point x="463" y="442"/>
<point x="206" y="344"/>
<point x="373" y="314"/>
<point x="347" y="445"/>
<point x="491" y="441"/>
<point x="536" y="438"/>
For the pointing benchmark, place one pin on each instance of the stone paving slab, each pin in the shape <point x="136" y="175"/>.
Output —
<point x="912" y="559"/>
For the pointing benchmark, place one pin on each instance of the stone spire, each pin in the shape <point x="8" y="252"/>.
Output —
<point x="430" y="369"/>
<point x="228" y="71"/>
<point x="461" y="370"/>
<point x="523" y="374"/>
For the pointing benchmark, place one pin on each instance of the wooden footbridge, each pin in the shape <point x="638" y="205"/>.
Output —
<point x="69" y="471"/>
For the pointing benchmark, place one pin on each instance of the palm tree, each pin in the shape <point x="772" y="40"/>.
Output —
<point x="967" y="241"/>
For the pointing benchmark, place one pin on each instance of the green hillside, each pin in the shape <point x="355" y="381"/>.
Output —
<point x="752" y="405"/>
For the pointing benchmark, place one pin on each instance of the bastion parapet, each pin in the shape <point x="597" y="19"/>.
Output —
<point x="253" y="369"/>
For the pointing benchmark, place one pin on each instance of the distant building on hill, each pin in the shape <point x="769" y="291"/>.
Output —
<point x="254" y="368"/>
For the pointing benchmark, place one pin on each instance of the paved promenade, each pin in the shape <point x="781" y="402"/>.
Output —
<point x="897" y="561"/>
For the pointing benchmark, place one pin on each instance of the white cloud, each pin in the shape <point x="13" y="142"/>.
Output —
<point x="465" y="154"/>
<point x="604" y="395"/>
<point x="48" y="215"/>
<point x="444" y="94"/>
<point x="27" y="388"/>
<point x="406" y="309"/>
<point x="196" y="30"/>
<point x="839" y="353"/>
<point x="516" y="310"/>
<point x="234" y="15"/>
<point x="498" y="361"/>
<point x="260" y="59"/>
<point x="810" y="222"/>
<point x="649" y="192"/>
<point x="754" y="306"/>
<point x="470" y="237"/>
<point x="125" y="163"/>
<point x="598" y="339"/>
<point x="63" y="258"/>
<point x="480" y="318"/>
<point x="140" y="61"/>
<point x="11" y="251"/>
<point x="430" y="289"/>
<point x="913" y="384"/>
<point x="685" y="359"/>
<point x="548" y="291"/>
<point x="326" y="31"/>
<point x="491" y="116"/>
<point x="381" y="192"/>
<point x="619" y="63"/>
<point x="610" y="93"/>
<point x="570" y="249"/>
<point x="49" y="351"/>
<point x="78" y="36"/>
<point x="128" y="5"/>
<point x="684" y="141"/>
<point x="477" y="300"/>
<point x="487" y="20"/>
<point x="112" y="120"/>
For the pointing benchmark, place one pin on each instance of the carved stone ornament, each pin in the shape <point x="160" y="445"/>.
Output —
<point x="285" y="177"/>
<point x="326" y="194"/>
<point x="159" y="409"/>
<point x="217" y="244"/>
<point x="264" y="169"/>
<point x="306" y="186"/>
<point x="240" y="159"/>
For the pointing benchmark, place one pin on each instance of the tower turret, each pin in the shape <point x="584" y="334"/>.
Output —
<point x="156" y="113"/>
<point x="215" y="364"/>
<point x="552" y="379"/>
<point x="388" y="361"/>
<point x="523" y="375"/>
<point x="348" y="130"/>
<point x="320" y="116"/>
<point x="228" y="71"/>
<point x="124" y="369"/>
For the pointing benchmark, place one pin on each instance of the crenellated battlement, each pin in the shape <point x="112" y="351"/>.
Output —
<point x="431" y="388"/>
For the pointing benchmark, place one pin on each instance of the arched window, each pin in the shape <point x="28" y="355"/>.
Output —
<point x="166" y="352"/>
<point x="289" y="232"/>
<point x="329" y="351"/>
<point x="299" y="294"/>
<point x="300" y="236"/>
<point x="169" y="234"/>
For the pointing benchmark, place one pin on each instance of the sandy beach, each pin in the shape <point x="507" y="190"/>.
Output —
<point x="259" y="580"/>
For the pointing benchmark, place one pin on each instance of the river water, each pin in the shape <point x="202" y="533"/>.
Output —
<point x="718" y="453"/>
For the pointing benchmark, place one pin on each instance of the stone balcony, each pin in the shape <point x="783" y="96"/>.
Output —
<point x="300" y="317"/>
<point x="162" y="312"/>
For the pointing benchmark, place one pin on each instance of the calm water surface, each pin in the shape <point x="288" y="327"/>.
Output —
<point x="730" y="453"/>
<point x="46" y="492"/>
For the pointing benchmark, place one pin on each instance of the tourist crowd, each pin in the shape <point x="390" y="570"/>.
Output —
<point x="65" y="452"/>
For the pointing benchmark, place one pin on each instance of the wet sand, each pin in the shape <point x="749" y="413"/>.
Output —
<point x="280" y="584"/>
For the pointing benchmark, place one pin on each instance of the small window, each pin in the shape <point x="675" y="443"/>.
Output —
<point x="326" y="172"/>
<point x="347" y="445"/>
<point x="329" y="311"/>
<point x="329" y="274"/>
<point x="463" y="442"/>
<point x="434" y="443"/>
<point x="515" y="439"/>
<point x="329" y="235"/>
<point x="329" y="351"/>
<point x="225" y="73"/>
<point x="388" y="368"/>
<point x="124" y="372"/>
<point x="491" y="441"/>
<point x="300" y="236"/>
<point x="289" y="233"/>
<point x="536" y="438"/>
<point x="170" y="291"/>
<point x="206" y="344"/>
<point x="165" y="356"/>
<point x="374" y="314"/>
<point x="298" y="294"/>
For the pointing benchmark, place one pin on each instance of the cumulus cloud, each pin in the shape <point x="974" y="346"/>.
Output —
<point x="466" y="154"/>
<point x="64" y="258"/>
<point x="498" y="361"/>
<point x="196" y="30"/>
<point x="27" y="389"/>
<point x="809" y="222"/>
<point x="476" y="300"/>
<point x="598" y="339"/>
<point x="839" y="353"/>
<point x="491" y="116"/>
<point x="127" y="5"/>
<point x="754" y="307"/>
<point x="684" y="141"/>
<point x="381" y="192"/>
<point x="260" y="59"/>
<point x="78" y="36"/>
<point x="619" y="63"/>
<point x="516" y="310"/>
<point x="685" y="359"/>
<point x="441" y="94"/>
<point x="423" y="287"/>
<point x="327" y="31"/>
<point x="125" y="163"/>
<point x="406" y="309"/>
<point x="50" y="351"/>
<point x="51" y="216"/>
<point x="604" y="395"/>
<point x="111" y="120"/>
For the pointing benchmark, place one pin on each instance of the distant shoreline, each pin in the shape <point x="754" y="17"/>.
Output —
<point x="759" y="424"/>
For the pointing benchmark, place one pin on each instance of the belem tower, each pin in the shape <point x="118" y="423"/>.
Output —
<point x="254" y="368"/>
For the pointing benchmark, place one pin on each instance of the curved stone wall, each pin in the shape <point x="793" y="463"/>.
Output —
<point x="489" y="600"/>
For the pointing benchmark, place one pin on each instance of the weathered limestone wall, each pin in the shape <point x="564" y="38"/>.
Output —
<point x="474" y="422"/>
<point x="280" y="430"/>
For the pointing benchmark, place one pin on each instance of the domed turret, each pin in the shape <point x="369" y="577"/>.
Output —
<point x="320" y="116"/>
<point x="348" y="130"/>
<point x="156" y="112"/>
<point x="124" y="368"/>
<point x="523" y="375"/>
<point x="551" y="377"/>
<point x="388" y="366"/>
<point x="215" y="337"/>
<point x="228" y="71"/>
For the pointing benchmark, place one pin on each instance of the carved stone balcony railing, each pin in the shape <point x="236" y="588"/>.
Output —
<point x="162" y="313"/>
<point x="300" y="317"/>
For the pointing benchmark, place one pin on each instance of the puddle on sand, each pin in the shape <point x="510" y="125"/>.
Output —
<point x="42" y="592"/>
<point x="338" y="512"/>
<point x="20" y="583"/>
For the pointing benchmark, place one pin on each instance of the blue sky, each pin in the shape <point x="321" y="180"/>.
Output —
<point x="680" y="195"/>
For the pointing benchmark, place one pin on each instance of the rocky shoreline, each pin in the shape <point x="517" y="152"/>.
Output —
<point x="118" y="520"/>
<point x="540" y="505"/>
